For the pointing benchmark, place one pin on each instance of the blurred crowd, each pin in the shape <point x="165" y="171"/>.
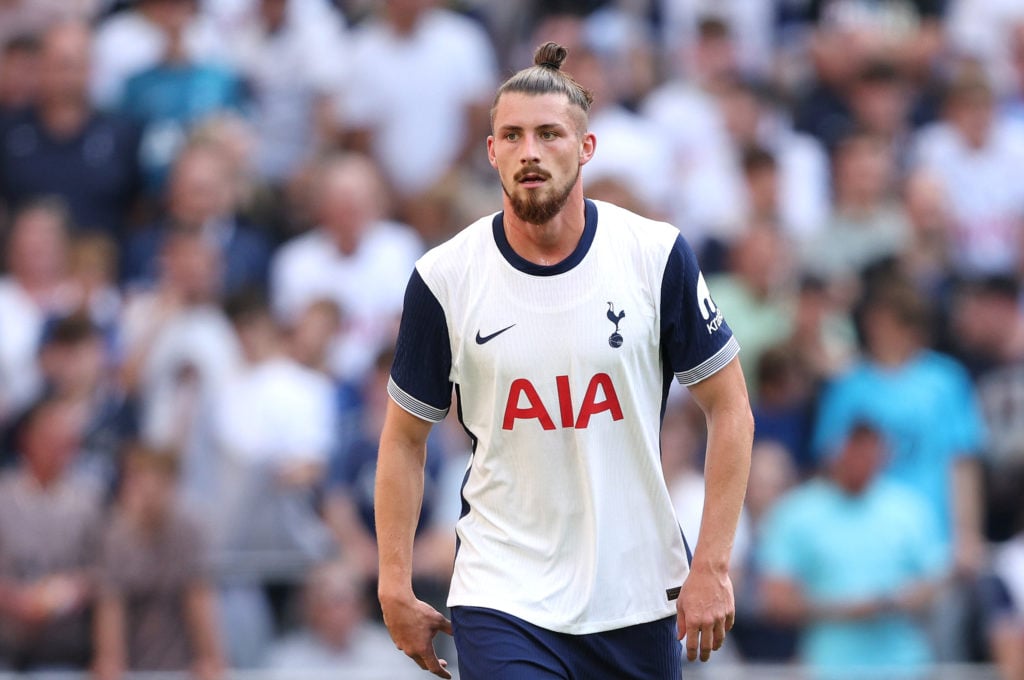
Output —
<point x="209" y="212"/>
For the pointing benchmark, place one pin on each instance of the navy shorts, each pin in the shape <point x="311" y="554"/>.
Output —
<point x="493" y="645"/>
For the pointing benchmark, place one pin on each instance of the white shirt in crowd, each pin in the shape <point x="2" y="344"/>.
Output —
<point x="417" y="89"/>
<point x="985" y="192"/>
<point x="288" y="71"/>
<point x="21" y="321"/>
<point x="367" y="286"/>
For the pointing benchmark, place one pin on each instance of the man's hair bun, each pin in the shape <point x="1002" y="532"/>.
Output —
<point x="550" y="55"/>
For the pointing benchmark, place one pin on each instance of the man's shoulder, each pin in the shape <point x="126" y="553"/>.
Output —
<point x="628" y="229"/>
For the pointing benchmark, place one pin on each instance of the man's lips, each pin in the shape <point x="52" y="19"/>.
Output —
<point x="531" y="178"/>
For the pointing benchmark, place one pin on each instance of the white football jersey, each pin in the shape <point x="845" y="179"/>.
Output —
<point x="561" y="374"/>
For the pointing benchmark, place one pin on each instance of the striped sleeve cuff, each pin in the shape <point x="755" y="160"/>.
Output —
<point x="413" y="405"/>
<point x="710" y="366"/>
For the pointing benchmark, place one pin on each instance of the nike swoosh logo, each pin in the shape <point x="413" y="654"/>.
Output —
<point x="481" y="339"/>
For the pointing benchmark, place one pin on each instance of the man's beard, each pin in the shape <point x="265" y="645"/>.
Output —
<point x="536" y="209"/>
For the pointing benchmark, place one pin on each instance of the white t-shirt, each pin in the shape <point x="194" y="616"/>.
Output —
<point x="984" y="189"/>
<point x="21" y="322"/>
<point x="288" y="70"/>
<point x="278" y="412"/>
<point x="633" y="152"/>
<point x="365" y="285"/>
<point x="413" y="92"/>
<point x="704" y="200"/>
<point x="561" y="374"/>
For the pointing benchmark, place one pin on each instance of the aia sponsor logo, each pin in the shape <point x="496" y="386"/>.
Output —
<point x="524" y="403"/>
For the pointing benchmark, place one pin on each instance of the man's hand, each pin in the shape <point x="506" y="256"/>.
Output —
<point x="706" y="611"/>
<point x="413" y="624"/>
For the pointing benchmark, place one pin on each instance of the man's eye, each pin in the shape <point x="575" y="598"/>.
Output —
<point x="547" y="135"/>
<point x="512" y="136"/>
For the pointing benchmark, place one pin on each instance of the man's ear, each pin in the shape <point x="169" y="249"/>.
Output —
<point x="490" y="152"/>
<point x="587" y="147"/>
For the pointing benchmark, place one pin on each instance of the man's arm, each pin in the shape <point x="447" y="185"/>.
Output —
<point x="397" y="499"/>
<point x="706" y="605"/>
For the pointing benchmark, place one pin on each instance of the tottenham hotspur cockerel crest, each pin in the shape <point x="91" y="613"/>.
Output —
<point x="615" y="339"/>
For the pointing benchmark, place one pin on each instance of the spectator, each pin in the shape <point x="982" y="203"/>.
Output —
<point x="925" y="406"/>
<point x="273" y="431"/>
<point x="418" y="67"/>
<point x="276" y="428"/>
<point x="759" y="636"/>
<point x="349" y="506"/>
<point x="988" y="326"/>
<point x="784" y="408"/>
<point x="705" y="204"/>
<point x="297" y="66"/>
<point x="35" y="255"/>
<point x="1005" y="625"/>
<point x="309" y="341"/>
<point x="19" y="73"/>
<point x="174" y="95"/>
<point x="201" y="199"/>
<point x="853" y="558"/>
<point x="351" y="259"/>
<point x="156" y="609"/>
<point x="757" y="288"/>
<point x="92" y="281"/>
<point x="632" y="150"/>
<point x="136" y="39"/>
<point x="975" y="152"/>
<point x="337" y="634"/>
<point x="751" y="24"/>
<point x="65" y="147"/>
<point x="927" y="259"/>
<point x="848" y="35"/>
<point x="801" y="192"/>
<point x="74" y="361"/>
<point x="179" y="354"/>
<point x="881" y="102"/>
<point x="49" y="524"/>
<point x="867" y="222"/>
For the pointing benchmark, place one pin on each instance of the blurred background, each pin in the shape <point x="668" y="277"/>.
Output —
<point x="209" y="212"/>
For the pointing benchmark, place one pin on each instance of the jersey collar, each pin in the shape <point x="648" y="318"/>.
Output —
<point x="574" y="258"/>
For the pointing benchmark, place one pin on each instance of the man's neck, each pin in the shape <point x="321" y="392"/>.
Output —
<point x="64" y="118"/>
<point x="550" y="243"/>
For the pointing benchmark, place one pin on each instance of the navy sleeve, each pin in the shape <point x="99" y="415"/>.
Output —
<point x="423" y="356"/>
<point x="695" y="340"/>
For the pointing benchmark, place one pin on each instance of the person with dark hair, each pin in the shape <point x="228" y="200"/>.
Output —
<point x="49" y="541"/>
<point x="560" y="323"/>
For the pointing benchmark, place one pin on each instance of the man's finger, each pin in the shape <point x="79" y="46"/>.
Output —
<point x="692" y="640"/>
<point x="719" y="635"/>
<point x="437" y="666"/>
<point x="706" y="639"/>
<point x="730" y="619"/>
<point x="446" y="625"/>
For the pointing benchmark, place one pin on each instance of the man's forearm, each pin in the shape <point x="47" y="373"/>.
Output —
<point x="397" y="499"/>
<point x="727" y="465"/>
